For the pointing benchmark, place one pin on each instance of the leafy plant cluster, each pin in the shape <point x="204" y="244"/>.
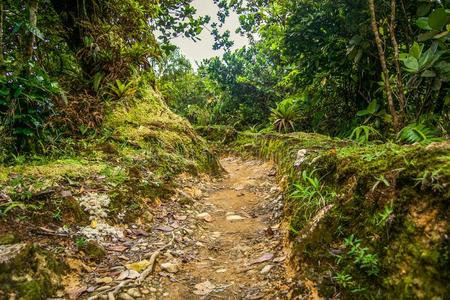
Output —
<point x="365" y="70"/>
<point x="310" y="195"/>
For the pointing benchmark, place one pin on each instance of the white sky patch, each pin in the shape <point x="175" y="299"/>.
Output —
<point x="197" y="51"/>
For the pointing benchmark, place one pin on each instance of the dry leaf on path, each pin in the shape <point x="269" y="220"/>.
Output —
<point x="138" y="266"/>
<point x="262" y="258"/>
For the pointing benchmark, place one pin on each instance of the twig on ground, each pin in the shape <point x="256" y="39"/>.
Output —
<point x="153" y="257"/>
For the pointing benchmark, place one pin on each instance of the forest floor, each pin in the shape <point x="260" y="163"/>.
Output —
<point x="217" y="238"/>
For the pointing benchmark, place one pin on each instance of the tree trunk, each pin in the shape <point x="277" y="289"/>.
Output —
<point x="401" y="94"/>
<point x="387" y="85"/>
<point x="32" y="19"/>
<point x="1" y="34"/>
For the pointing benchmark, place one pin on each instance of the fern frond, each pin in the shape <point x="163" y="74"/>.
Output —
<point x="416" y="133"/>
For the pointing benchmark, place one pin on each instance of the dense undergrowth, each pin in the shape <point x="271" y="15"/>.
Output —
<point x="365" y="220"/>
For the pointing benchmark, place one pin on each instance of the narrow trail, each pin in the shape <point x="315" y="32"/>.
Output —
<point x="217" y="239"/>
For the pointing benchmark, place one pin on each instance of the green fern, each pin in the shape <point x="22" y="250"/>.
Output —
<point x="6" y="207"/>
<point x="363" y="133"/>
<point x="416" y="133"/>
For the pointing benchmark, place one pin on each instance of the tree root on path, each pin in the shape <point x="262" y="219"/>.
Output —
<point x="130" y="283"/>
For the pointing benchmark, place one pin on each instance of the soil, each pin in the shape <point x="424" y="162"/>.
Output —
<point x="215" y="239"/>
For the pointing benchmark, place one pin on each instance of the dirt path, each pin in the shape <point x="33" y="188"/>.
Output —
<point x="217" y="239"/>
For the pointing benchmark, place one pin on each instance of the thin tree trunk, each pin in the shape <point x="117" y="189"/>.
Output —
<point x="401" y="94"/>
<point x="387" y="85"/>
<point x="32" y="18"/>
<point x="1" y="33"/>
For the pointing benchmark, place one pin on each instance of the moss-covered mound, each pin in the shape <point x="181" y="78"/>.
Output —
<point x="141" y="147"/>
<point x="366" y="221"/>
<point x="28" y="272"/>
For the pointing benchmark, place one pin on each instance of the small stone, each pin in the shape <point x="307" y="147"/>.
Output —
<point x="266" y="269"/>
<point x="274" y="190"/>
<point x="179" y="218"/>
<point x="169" y="267"/>
<point x="221" y="270"/>
<point x="104" y="280"/>
<point x="153" y="290"/>
<point x="205" y="217"/>
<point x="145" y="291"/>
<point x="232" y="218"/>
<point x="279" y="259"/>
<point x="134" y="292"/>
<point x="125" y="296"/>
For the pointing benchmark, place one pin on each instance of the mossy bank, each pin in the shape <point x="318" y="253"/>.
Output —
<point x="366" y="221"/>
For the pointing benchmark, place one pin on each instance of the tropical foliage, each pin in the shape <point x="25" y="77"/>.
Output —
<point x="61" y="62"/>
<point x="380" y="64"/>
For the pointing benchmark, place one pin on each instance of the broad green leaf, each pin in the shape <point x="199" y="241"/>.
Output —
<point x="416" y="50"/>
<point x="358" y="56"/>
<point x="411" y="64"/>
<point x="362" y="113"/>
<point x="437" y="19"/>
<point x="403" y="56"/>
<point x="35" y="31"/>
<point x="429" y="57"/>
<point x="372" y="108"/>
<point x="422" y="23"/>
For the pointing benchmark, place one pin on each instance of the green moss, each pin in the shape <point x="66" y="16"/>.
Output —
<point x="32" y="274"/>
<point x="93" y="250"/>
<point x="8" y="238"/>
<point x="394" y="196"/>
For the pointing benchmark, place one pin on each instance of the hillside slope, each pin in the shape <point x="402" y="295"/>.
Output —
<point x="99" y="183"/>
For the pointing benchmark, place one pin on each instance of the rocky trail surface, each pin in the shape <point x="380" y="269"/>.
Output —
<point x="215" y="239"/>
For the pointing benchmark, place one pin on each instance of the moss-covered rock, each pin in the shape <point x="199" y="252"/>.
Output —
<point x="8" y="238"/>
<point x="28" y="272"/>
<point x="93" y="250"/>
